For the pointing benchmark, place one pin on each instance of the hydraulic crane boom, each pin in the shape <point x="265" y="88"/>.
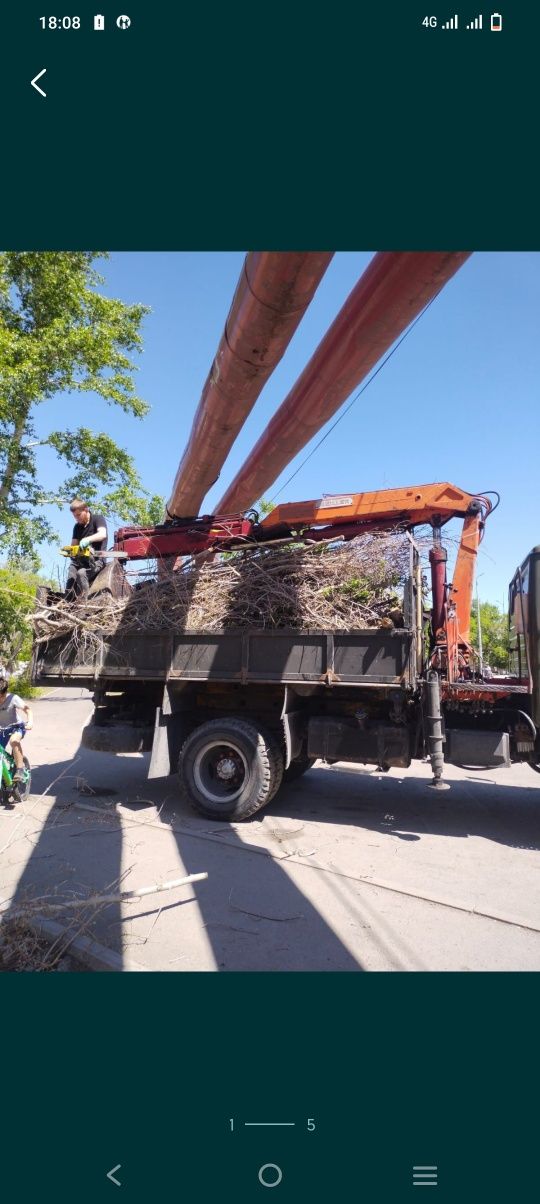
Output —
<point x="413" y="505"/>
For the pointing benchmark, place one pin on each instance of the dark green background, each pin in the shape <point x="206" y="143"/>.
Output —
<point x="146" y="1070"/>
<point x="270" y="126"/>
<point x="236" y="125"/>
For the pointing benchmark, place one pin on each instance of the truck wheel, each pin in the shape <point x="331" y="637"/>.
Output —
<point x="297" y="768"/>
<point x="229" y="768"/>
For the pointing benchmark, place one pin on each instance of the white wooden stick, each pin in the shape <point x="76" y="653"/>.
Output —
<point x="122" y="897"/>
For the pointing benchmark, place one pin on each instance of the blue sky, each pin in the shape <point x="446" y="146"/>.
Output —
<point x="459" y="401"/>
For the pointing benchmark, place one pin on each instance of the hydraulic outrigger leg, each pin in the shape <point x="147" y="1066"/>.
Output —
<point x="434" y="730"/>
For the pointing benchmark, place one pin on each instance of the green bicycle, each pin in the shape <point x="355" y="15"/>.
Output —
<point x="12" y="792"/>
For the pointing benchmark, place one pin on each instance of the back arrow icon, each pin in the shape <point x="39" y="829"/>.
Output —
<point x="111" y="1174"/>
<point x="35" y="84"/>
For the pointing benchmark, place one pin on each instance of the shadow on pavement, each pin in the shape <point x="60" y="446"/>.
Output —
<point x="254" y="916"/>
<point x="408" y="808"/>
<point x="60" y="867"/>
<point x="250" y="895"/>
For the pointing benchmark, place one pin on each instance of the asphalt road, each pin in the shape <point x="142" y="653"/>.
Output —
<point x="347" y="870"/>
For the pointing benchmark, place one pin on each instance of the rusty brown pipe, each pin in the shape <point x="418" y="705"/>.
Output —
<point x="272" y="295"/>
<point x="438" y="557"/>
<point x="391" y="292"/>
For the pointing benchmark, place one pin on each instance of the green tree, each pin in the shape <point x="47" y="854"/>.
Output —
<point x="495" y="640"/>
<point x="17" y="595"/>
<point x="59" y="333"/>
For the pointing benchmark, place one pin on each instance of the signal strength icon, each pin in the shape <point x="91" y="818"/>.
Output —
<point x="451" y="24"/>
<point x="476" y="24"/>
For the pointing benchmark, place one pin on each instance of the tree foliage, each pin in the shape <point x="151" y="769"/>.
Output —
<point x="495" y="637"/>
<point x="264" y="507"/>
<point x="58" y="333"/>
<point x="17" y="595"/>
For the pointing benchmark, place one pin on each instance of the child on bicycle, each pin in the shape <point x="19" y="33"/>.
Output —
<point x="12" y="727"/>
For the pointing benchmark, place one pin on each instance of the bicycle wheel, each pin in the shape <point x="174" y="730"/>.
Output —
<point x="5" y="790"/>
<point x="22" y="789"/>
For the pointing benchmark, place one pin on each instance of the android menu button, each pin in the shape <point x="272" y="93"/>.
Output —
<point x="425" y="1176"/>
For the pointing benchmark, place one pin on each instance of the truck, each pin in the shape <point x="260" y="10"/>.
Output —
<point x="238" y="712"/>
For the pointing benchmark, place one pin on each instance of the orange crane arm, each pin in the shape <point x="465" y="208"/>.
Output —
<point x="460" y="592"/>
<point x="435" y="504"/>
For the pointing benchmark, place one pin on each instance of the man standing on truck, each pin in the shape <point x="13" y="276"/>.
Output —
<point x="90" y="531"/>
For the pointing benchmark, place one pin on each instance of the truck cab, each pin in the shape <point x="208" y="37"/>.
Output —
<point x="524" y="619"/>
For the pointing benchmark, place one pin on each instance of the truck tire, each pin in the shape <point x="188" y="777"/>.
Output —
<point x="230" y="768"/>
<point x="297" y="768"/>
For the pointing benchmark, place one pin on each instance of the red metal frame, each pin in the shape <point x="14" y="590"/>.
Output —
<point x="183" y="539"/>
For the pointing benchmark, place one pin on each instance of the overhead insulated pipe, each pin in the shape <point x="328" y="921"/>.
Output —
<point x="272" y="295"/>
<point x="391" y="292"/>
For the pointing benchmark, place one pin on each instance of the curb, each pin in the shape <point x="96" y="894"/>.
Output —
<point x="89" y="952"/>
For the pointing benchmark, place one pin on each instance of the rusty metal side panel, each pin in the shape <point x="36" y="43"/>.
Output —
<point x="370" y="657"/>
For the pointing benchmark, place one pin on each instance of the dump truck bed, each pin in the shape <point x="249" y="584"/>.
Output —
<point x="363" y="657"/>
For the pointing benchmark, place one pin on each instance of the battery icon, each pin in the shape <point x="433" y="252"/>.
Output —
<point x="496" y="22"/>
<point x="99" y="21"/>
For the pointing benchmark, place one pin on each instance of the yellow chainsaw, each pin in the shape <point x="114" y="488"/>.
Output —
<point x="74" y="549"/>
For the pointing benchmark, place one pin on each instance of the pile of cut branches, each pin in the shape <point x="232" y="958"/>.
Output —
<point x="330" y="587"/>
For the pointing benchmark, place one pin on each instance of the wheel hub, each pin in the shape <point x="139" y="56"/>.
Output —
<point x="220" y="771"/>
<point x="226" y="769"/>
